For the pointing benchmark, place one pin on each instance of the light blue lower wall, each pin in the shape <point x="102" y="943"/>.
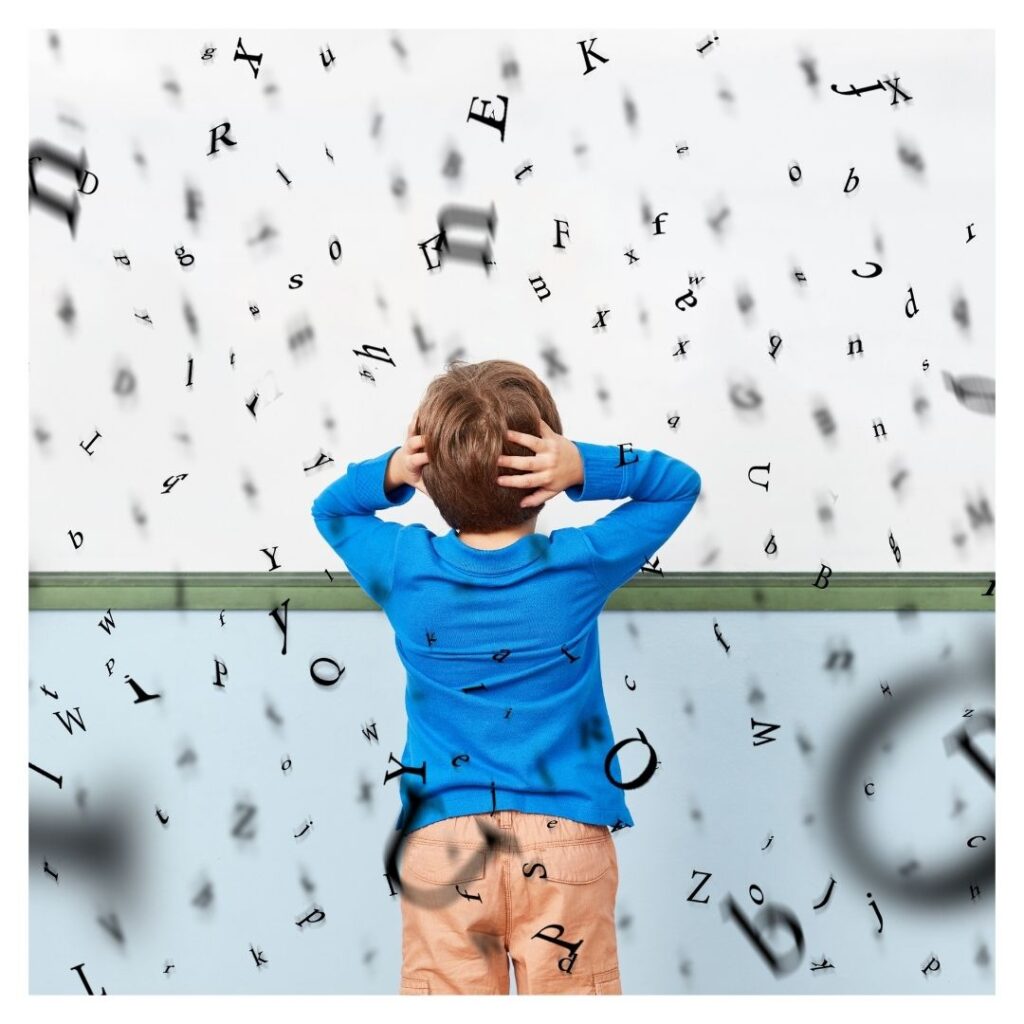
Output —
<point x="711" y="806"/>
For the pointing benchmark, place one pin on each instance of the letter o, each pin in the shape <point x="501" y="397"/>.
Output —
<point x="645" y="775"/>
<point x="916" y="691"/>
<point x="433" y="896"/>
<point x="326" y="682"/>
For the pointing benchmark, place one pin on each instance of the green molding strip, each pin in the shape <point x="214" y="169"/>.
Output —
<point x="669" y="591"/>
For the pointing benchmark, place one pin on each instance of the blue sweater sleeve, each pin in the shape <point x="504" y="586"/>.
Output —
<point x="663" y="490"/>
<point x="344" y="515"/>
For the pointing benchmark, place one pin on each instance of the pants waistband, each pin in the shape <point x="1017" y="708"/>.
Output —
<point x="469" y="829"/>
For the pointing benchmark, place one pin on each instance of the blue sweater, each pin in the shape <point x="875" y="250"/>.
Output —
<point x="503" y="696"/>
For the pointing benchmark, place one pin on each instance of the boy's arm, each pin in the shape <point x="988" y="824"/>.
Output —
<point x="663" y="489"/>
<point x="344" y="515"/>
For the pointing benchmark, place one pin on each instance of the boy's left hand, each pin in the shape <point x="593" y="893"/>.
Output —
<point x="406" y="465"/>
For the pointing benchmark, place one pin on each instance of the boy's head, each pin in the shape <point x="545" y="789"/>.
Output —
<point x="463" y="418"/>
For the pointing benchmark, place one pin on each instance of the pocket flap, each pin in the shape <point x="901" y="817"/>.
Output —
<point x="572" y="863"/>
<point x="443" y="863"/>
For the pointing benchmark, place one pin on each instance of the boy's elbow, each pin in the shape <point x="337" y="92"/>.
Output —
<point x="318" y="510"/>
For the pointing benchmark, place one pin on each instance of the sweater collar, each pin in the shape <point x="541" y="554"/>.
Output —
<point x="526" y="549"/>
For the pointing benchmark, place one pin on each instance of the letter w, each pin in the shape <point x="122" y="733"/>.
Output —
<point x="762" y="736"/>
<point x="71" y="718"/>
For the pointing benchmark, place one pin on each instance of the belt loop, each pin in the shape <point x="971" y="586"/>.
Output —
<point x="504" y="819"/>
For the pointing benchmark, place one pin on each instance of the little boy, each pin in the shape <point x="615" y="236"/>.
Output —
<point x="509" y="781"/>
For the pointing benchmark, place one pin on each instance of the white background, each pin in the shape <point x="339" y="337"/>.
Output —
<point x="622" y="385"/>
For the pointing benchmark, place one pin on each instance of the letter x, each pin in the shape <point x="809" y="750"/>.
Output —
<point x="896" y="91"/>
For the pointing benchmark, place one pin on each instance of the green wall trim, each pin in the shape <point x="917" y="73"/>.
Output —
<point x="670" y="591"/>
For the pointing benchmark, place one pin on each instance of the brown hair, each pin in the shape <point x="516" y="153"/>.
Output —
<point x="463" y="418"/>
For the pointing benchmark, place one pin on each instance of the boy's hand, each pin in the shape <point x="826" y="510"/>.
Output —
<point x="406" y="465"/>
<point x="556" y="465"/>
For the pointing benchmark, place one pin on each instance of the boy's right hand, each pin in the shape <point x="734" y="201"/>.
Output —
<point x="556" y="465"/>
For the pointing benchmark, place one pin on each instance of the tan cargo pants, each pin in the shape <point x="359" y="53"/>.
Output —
<point x="477" y="890"/>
